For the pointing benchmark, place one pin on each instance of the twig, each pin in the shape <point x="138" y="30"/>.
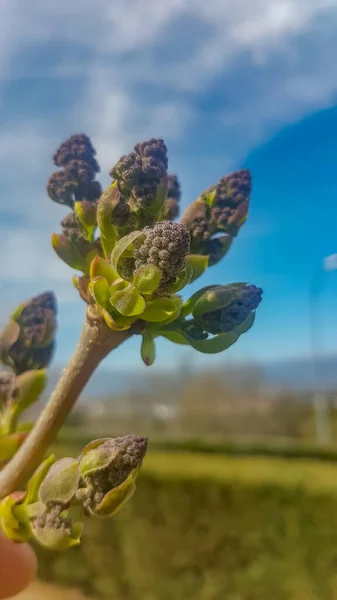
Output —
<point x="95" y="343"/>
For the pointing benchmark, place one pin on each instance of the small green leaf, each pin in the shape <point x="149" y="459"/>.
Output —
<point x="122" y="247"/>
<point x="61" y="482"/>
<point x="211" y="345"/>
<point x="37" y="478"/>
<point x="216" y="344"/>
<point x="184" y="277"/>
<point x="199" y="264"/>
<point x="188" y="306"/>
<point x="148" y="348"/>
<point x="86" y="214"/>
<point x="128" y="302"/>
<point x="175" y="336"/>
<point x="147" y="279"/>
<point x="100" y="291"/>
<point x="31" y="385"/>
<point x="208" y="197"/>
<point x="101" y="267"/>
<point x="9" y="444"/>
<point x="213" y="299"/>
<point x="8" y="337"/>
<point x="68" y="252"/>
<point x="162" y="309"/>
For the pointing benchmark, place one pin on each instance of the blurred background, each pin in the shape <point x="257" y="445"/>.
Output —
<point x="237" y="498"/>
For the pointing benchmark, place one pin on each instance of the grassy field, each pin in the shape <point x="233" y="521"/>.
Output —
<point x="212" y="527"/>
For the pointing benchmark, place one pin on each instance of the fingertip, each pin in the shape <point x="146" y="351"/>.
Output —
<point x="18" y="566"/>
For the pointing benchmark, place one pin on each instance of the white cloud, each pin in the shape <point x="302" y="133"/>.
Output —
<point x="142" y="66"/>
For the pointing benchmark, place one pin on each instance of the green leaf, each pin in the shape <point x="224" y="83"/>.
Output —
<point x="61" y="482"/>
<point x="8" y="337"/>
<point x="177" y="337"/>
<point x="68" y="252"/>
<point x="37" y="478"/>
<point x="184" y="277"/>
<point x="208" y="197"/>
<point x="218" y="297"/>
<point x="188" y="306"/>
<point x="86" y="213"/>
<point x="162" y="309"/>
<point x="101" y="267"/>
<point x="213" y="345"/>
<point x="31" y="385"/>
<point x="216" y="344"/>
<point x="128" y="302"/>
<point x="100" y="291"/>
<point x="199" y="264"/>
<point x="147" y="279"/>
<point x="106" y="204"/>
<point x="9" y="444"/>
<point x="148" y="348"/>
<point x="122" y="247"/>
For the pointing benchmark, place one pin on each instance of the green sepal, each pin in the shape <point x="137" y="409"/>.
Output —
<point x="37" y="478"/>
<point x="123" y="248"/>
<point x="147" y="279"/>
<point x="183" y="278"/>
<point x="148" y="348"/>
<point x="61" y="482"/>
<point x="162" y="310"/>
<point x="199" y="264"/>
<point x="128" y="302"/>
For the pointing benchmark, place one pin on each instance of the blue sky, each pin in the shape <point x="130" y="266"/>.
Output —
<point x="227" y="84"/>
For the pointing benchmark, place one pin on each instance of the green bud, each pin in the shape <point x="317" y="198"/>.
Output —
<point x="108" y="469"/>
<point x="54" y="530"/>
<point x="148" y="348"/>
<point x="223" y="309"/>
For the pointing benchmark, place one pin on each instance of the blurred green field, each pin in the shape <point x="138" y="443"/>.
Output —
<point x="211" y="527"/>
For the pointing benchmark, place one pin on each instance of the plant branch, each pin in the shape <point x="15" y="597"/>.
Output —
<point x="95" y="343"/>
